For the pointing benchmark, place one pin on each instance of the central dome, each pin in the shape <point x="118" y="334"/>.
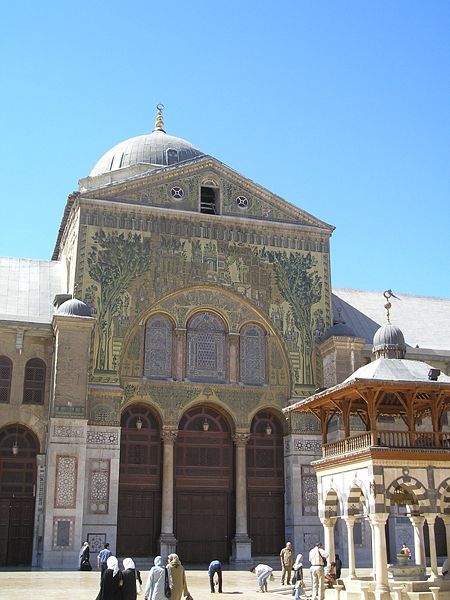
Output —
<point x="155" y="148"/>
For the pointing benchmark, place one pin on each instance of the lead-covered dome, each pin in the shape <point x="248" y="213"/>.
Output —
<point x="389" y="342"/>
<point x="74" y="308"/>
<point x="155" y="148"/>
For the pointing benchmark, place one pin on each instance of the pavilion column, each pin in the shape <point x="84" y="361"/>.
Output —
<point x="328" y="528"/>
<point x="419" y="541"/>
<point x="431" y="518"/>
<point x="167" y="539"/>
<point x="350" y="522"/>
<point x="382" y="586"/>
<point x="372" y="531"/>
<point x="446" y="519"/>
<point x="242" y="544"/>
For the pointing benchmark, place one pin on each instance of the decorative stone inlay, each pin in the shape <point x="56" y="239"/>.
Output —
<point x="99" y="486"/>
<point x="103" y="438"/>
<point x="241" y="439"/>
<point x="308" y="446"/>
<point x="66" y="481"/>
<point x="68" y="431"/>
<point x="63" y="533"/>
<point x="104" y="414"/>
<point x="303" y="423"/>
<point x="309" y="491"/>
<point x="96" y="541"/>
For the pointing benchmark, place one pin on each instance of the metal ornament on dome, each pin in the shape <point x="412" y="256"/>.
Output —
<point x="388" y="341"/>
<point x="159" y="122"/>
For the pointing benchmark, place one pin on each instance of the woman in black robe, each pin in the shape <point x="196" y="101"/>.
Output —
<point x="130" y="576"/>
<point x="112" y="581"/>
<point x="85" y="564"/>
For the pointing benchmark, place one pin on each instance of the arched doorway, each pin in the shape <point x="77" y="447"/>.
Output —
<point x="204" y="488"/>
<point x="265" y="481"/>
<point x="18" y="450"/>
<point x="139" y="511"/>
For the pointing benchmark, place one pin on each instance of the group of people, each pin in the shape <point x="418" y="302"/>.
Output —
<point x="125" y="584"/>
<point x="292" y="571"/>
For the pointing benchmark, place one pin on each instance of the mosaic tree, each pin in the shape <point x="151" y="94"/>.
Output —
<point x="114" y="261"/>
<point x="301" y="286"/>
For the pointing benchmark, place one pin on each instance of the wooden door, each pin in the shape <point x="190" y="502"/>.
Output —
<point x="203" y="526"/>
<point x="266" y="522"/>
<point x="16" y="531"/>
<point x="138" y="524"/>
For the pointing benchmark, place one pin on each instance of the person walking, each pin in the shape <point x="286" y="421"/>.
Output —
<point x="177" y="577"/>
<point x="297" y="579"/>
<point x="130" y="575"/>
<point x="215" y="567"/>
<point x="112" y="581"/>
<point x="154" y="588"/>
<point x="338" y="562"/>
<point x="262" y="572"/>
<point x="102" y="559"/>
<point x="287" y="561"/>
<point x="84" y="556"/>
<point x="317" y="558"/>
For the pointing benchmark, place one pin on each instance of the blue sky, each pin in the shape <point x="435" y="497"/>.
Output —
<point x="341" y="107"/>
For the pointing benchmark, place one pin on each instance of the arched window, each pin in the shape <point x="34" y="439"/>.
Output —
<point x="34" y="382"/>
<point x="5" y="379"/>
<point x="206" y="351"/>
<point x="17" y="468"/>
<point x="158" y="348"/>
<point x="253" y="355"/>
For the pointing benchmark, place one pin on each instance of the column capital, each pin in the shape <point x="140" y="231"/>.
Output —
<point x="350" y="519"/>
<point x="431" y="517"/>
<point x="241" y="439"/>
<point x="445" y="518"/>
<point x="417" y="520"/>
<point x="328" y="521"/>
<point x="169" y="436"/>
<point x="378" y="518"/>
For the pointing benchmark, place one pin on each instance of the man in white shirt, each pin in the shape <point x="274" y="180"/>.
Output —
<point x="318" y="559"/>
<point x="262" y="572"/>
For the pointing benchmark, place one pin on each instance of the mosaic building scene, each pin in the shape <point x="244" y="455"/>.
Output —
<point x="166" y="378"/>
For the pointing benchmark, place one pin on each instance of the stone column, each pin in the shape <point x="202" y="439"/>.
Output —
<point x="167" y="539"/>
<point x="350" y="522"/>
<point x="446" y="519"/>
<point x="180" y="343"/>
<point x="328" y="527"/>
<point x="419" y="542"/>
<point x="233" y="339"/>
<point x="431" y="518"/>
<point x="372" y="533"/>
<point x="242" y="544"/>
<point x="382" y="586"/>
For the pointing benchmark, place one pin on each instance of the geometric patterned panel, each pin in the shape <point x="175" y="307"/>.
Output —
<point x="309" y="491"/>
<point x="253" y="355"/>
<point x="99" y="486"/>
<point x="158" y="348"/>
<point x="63" y="533"/>
<point x="66" y="481"/>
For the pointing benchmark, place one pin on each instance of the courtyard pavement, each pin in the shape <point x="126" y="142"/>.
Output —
<point x="76" y="585"/>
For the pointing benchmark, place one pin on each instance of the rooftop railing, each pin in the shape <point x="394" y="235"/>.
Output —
<point x="388" y="439"/>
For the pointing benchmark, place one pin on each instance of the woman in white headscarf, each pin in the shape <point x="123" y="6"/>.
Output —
<point x="154" y="588"/>
<point x="112" y="581"/>
<point x="85" y="563"/>
<point x="130" y="575"/>
<point x="297" y="579"/>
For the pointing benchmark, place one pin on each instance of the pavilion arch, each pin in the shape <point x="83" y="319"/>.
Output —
<point x="443" y="497"/>
<point x="333" y="505"/>
<point x="357" y="503"/>
<point x="408" y="491"/>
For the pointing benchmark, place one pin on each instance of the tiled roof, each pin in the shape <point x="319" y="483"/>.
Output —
<point x="424" y="321"/>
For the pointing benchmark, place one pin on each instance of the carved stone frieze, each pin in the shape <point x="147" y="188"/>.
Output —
<point x="68" y="431"/>
<point x="103" y="438"/>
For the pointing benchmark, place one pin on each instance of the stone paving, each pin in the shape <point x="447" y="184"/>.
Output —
<point x="76" y="585"/>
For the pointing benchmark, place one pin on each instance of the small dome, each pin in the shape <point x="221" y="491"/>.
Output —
<point x="74" y="308"/>
<point x="389" y="342"/>
<point x="338" y="330"/>
<point x="156" y="148"/>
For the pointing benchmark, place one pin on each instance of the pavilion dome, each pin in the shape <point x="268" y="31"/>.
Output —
<point x="339" y="329"/>
<point x="74" y="308"/>
<point x="389" y="342"/>
<point x="156" y="148"/>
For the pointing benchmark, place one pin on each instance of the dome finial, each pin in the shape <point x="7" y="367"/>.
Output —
<point x="388" y="341"/>
<point x="388" y="294"/>
<point x="159" y="123"/>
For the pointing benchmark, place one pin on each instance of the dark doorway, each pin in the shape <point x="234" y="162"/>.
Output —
<point x="204" y="498"/>
<point x="18" y="449"/>
<point x="139" y="511"/>
<point x="265" y="484"/>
